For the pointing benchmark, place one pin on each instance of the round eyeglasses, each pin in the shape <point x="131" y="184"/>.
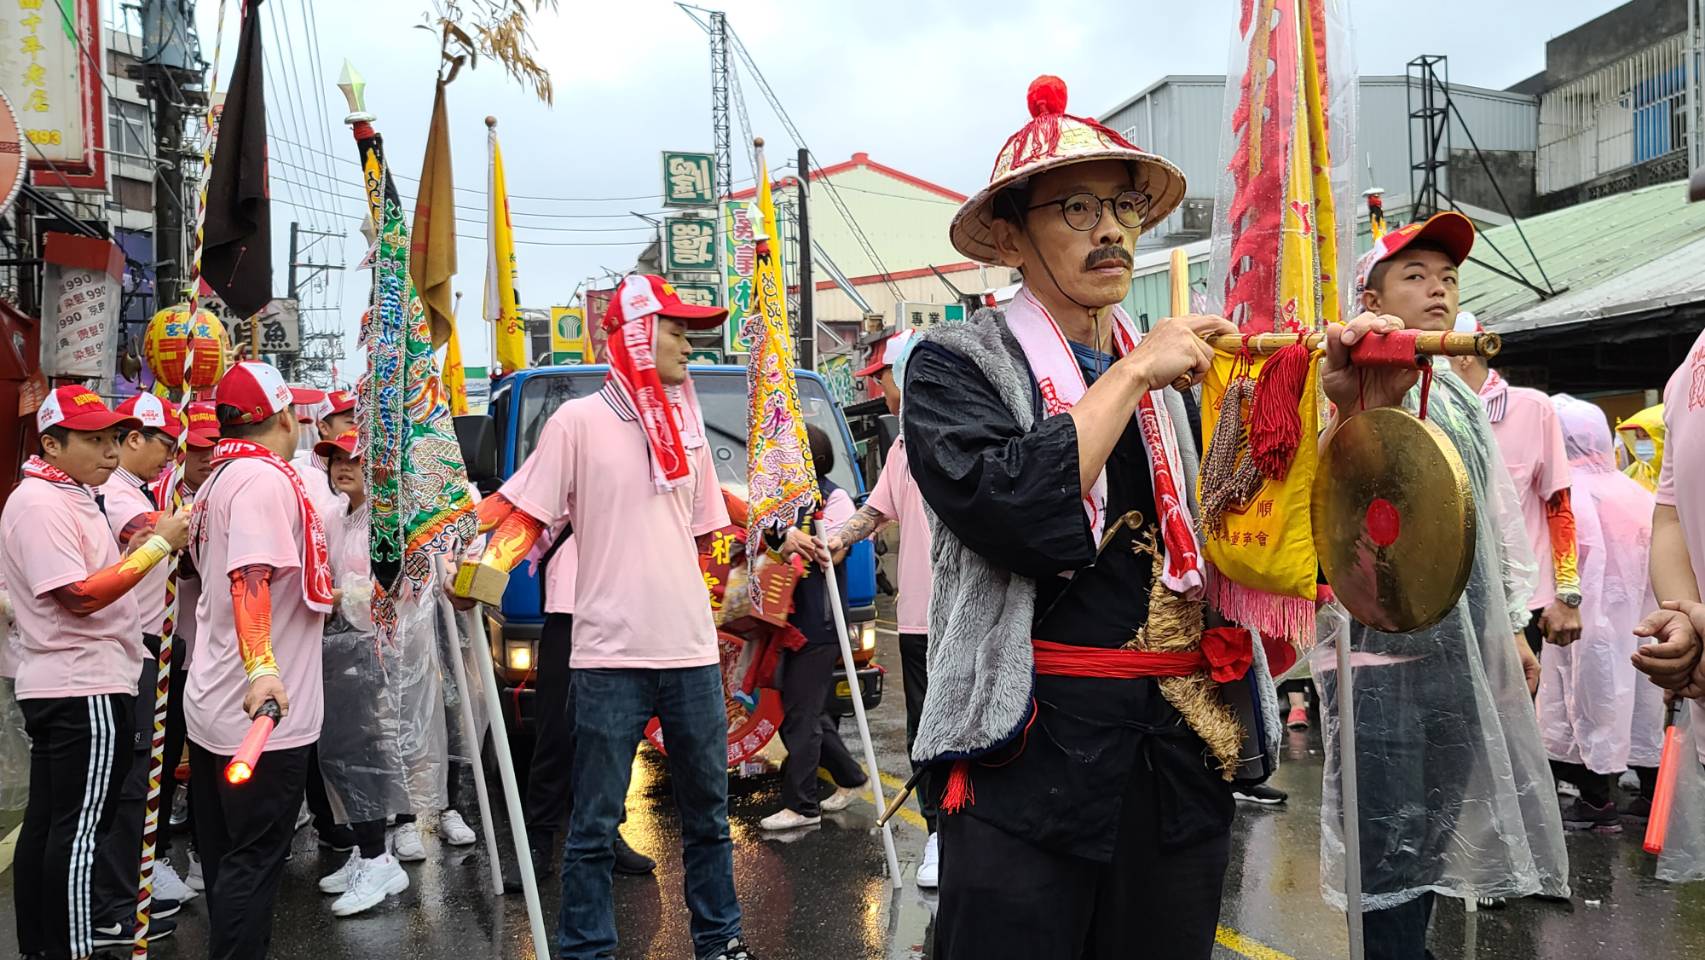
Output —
<point x="1082" y="211"/>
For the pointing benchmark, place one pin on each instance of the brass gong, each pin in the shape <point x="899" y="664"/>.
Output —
<point x="1394" y="520"/>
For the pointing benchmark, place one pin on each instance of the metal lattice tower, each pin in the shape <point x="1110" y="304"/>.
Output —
<point x="720" y="81"/>
<point x="1427" y="85"/>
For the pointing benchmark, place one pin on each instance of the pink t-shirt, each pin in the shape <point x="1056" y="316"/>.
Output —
<point x="53" y="536"/>
<point x="250" y="517"/>
<point x="125" y="501"/>
<point x="1531" y="440"/>
<point x="640" y="599"/>
<point x="1681" y="480"/>
<point x="559" y="579"/>
<point x="897" y="497"/>
<point x="312" y="468"/>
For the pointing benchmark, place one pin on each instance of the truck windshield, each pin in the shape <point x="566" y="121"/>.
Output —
<point x="722" y="398"/>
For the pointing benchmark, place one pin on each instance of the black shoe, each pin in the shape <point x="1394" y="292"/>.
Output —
<point x="736" y="950"/>
<point x="1262" y="794"/>
<point x="339" y="839"/>
<point x="630" y="861"/>
<point x="1581" y="815"/>
<point x="1640" y="808"/>
<point x="161" y="908"/>
<point x="123" y="934"/>
<point x="1492" y="903"/>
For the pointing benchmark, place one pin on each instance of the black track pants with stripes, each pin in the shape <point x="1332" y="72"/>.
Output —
<point x="80" y="750"/>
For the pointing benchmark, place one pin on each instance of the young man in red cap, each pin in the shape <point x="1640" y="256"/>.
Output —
<point x="261" y="551"/>
<point x="333" y="417"/>
<point x="132" y="512"/>
<point x="1456" y="796"/>
<point x="80" y="652"/>
<point x="896" y="499"/>
<point x="629" y="468"/>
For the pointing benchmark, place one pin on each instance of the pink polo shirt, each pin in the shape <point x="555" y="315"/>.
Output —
<point x="639" y="597"/>
<point x="897" y="497"/>
<point x="1531" y="440"/>
<point x="312" y="468"/>
<point x="559" y="579"/>
<point x="125" y="501"/>
<point x="250" y="517"/>
<point x="52" y="536"/>
<point x="1681" y="481"/>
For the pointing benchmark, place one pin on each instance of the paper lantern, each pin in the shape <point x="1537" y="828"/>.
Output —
<point x="171" y="336"/>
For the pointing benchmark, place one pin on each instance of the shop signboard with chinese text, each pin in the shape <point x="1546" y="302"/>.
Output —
<point x="568" y="335"/>
<point x="689" y="245"/>
<point x="280" y="329"/>
<point x="689" y="179"/>
<point x="739" y="258"/>
<point x="597" y="304"/>
<point x="83" y="282"/>
<point x="47" y="48"/>
<point x="912" y="315"/>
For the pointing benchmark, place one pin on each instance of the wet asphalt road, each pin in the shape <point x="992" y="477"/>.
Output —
<point x="821" y="895"/>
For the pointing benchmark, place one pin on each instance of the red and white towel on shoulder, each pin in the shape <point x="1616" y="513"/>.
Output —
<point x="1061" y="381"/>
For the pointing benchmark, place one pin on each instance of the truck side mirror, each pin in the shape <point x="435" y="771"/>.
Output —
<point x="887" y="431"/>
<point x="477" y="434"/>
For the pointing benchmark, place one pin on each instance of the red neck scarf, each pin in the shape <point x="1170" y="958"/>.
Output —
<point x="668" y="415"/>
<point x="316" y="556"/>
<point x="36" y="467"/>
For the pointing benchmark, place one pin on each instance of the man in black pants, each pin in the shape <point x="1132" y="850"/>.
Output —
<point x="548" y="787"/>
<point x="266" y="576"/>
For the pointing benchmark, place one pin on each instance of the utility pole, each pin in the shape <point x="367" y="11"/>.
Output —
<point x="308" y="363"/>
<point x="807" y="320"/>
<point x="174" y="75"/>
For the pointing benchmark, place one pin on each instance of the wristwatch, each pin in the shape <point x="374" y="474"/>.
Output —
<point x="1569" y="598"/>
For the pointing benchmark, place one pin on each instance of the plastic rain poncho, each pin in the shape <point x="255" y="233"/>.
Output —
<point x="1456" y="796"/>
<point x="382" y="747"/>
<point x="1683" y="858"/>
<point x="1586" y="689"/>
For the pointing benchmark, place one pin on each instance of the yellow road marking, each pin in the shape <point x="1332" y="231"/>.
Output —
<point x="1245" y="947"/>
<point x="893" y="785"/>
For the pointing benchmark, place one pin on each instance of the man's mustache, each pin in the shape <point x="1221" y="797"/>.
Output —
<point x="1101" y="255"/>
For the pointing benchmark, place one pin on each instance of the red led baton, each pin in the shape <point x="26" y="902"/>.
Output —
<point x="242" y="766"/>
<point x="1663" y="797"/>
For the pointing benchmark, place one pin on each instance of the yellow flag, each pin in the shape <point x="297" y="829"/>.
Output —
<point x="501" y="305"/>
<point x="455" y="377"/>
<point x="432" y="252"/>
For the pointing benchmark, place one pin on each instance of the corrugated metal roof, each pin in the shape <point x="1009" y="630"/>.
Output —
<point x="1618" y="255"/>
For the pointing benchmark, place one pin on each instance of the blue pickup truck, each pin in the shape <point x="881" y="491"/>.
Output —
<point x="496" y="444"/>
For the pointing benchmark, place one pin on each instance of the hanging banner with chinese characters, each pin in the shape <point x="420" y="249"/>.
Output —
<point x="688" y="179"/>
<point x="689" y="245"/>
<point x="12" y="150"/>
<point x="280" y="328"/>
<point x="739" y="257"/>
<point x="597" y="304"/>
<point x="699" y="294"/>
<point x="46" y="78"/>
<point x="84" y="279"/>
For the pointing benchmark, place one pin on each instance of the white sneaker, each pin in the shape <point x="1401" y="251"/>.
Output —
<point x="405" y="843"/>
<point x="929" y="872"/>
<point x="788" y="819"/>
<point x="372" y="882"/>
<point x="338" y="881"/>
<point x="841" y="799"/>
<point x="454" y="829"/>
<point x="194" y="880"/>
<point x="169" y="885"/>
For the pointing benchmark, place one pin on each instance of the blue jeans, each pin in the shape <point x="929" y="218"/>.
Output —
<point x="611" y="709"/>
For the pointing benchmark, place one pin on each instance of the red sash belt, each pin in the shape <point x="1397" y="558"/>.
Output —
<point x="1225" y="654"/>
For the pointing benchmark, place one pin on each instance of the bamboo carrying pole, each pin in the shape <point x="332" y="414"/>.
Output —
<point x="1427" y="342"/>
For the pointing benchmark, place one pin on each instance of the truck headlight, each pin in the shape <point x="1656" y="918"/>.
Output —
<point x="867" y="635"/>
<point x="519" y="656"/>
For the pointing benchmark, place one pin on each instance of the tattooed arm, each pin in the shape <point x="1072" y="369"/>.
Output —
<point x="864" y="524"/>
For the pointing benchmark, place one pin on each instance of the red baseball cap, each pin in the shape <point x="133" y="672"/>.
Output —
<point x="642" y="294"/>
<point x="891" y="350"/>
<point x="336" y="402"/>
<point x="345" y="441"/>
<point x="259" y="391"/>
<point x="153" y="412"/>
<point x="203" y="424"/>
<point x="76" y="407"/>
<point x="1450" y="230"/>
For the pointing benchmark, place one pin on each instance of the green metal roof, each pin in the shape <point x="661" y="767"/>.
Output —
<point x="1617" y="255"/>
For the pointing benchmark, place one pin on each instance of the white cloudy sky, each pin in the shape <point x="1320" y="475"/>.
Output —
<point x="929" y="86"/>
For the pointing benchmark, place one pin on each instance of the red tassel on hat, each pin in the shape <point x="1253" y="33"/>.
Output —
<point x="1275" y="425"/>
<point x="959" y="793"/>
<point x="1047" y="94"/>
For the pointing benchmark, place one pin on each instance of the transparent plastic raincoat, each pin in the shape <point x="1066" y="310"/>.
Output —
<point x="383" y="745"/>
<point x="1586" y="690"/>
<point x="1456" y="796"/>
<point x="1683" y="858"/>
